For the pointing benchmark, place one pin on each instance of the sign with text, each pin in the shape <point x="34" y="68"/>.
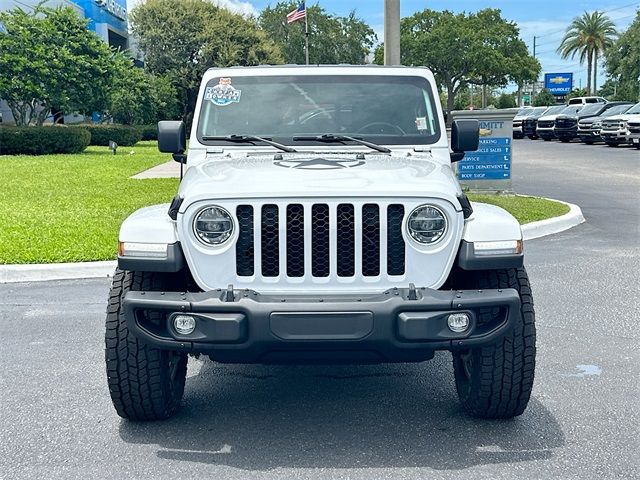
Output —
<point x="558" y="83"/>
<point x="492" y="161"/>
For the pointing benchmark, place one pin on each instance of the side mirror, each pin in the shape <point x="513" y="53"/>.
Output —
<point x="172" y="137"/>
<point x="465" y="137"/>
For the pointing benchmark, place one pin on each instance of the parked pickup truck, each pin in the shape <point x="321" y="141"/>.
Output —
<point x="615" y="129"/>
<point x="589" y="128"/>
<point x="566" y="126"/>
<point x="546" y="128"/>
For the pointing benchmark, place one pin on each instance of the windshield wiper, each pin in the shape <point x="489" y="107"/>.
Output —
<point x="332" y="137"/>
<point x="249" y="139"/>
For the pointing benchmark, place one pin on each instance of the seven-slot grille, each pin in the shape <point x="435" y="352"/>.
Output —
<point x="320" y="240"/>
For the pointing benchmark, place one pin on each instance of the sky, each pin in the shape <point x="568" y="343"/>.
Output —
<point x="544" y="19"/>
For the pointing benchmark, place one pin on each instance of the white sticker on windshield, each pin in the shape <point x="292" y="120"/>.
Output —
<point x="223" y="94"/>
<point x="421" y="123"/>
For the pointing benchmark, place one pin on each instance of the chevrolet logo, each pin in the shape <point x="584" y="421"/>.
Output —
<point x="559" y="79"/>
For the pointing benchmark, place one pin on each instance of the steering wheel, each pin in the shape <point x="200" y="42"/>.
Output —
<point x="380" y="128"/>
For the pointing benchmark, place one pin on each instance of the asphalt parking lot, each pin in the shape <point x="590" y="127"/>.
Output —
<point x="358" y="422"/>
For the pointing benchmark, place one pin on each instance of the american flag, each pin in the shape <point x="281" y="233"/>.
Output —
<point x="297" y="14"/>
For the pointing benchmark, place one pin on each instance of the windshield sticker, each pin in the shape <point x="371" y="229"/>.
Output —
<point x="421" y="123"/>
<point x="223" y="94"/>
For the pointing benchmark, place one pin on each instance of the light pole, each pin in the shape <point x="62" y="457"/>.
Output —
<point x="392" y="32"/>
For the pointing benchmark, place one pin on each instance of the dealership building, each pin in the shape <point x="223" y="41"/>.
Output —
<point x="108" y="18"/>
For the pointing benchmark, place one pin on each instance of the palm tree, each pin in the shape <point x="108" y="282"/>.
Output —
<point x="588" y="36"/>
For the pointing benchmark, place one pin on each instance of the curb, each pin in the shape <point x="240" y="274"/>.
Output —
<point x="554" y="225"/>
<point x="69" y="271"/>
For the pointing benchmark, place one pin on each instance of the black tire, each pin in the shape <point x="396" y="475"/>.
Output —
<point x="533" y="137"/>
<point x="612" y="144"/>
<point x="565" y="140"/>
<point x="546" y="139"/>
<point x="588" y="142"/>
<point x="495" y="381"/>
<point x="145" y="383"/>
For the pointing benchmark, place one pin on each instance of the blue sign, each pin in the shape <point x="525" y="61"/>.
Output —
<point x="111" y="12"/>
<point x="558" y="83"/>
<point x="492" y="160"/>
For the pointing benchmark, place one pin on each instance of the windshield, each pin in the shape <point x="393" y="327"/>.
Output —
<point x="537" y="111"/>
<point x="571" y="110"/>
<point x="392" y="110"/>
<point x="555" y="110"/>
<point x="634" y="109"/>
<point x="617" y="110"/>
<point x="592" y="109"/>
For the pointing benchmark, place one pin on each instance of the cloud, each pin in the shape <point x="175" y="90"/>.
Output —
<point x="237" y="6"/>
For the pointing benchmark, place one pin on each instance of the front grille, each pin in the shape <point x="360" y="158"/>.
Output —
<point x="634" y="127"/>
<point x="545" y="123"/>
<point x="611" y="125"/>
<point x="346" y="240"/>
<point x="565" y="123"/>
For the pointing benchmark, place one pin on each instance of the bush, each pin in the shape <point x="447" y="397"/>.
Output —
<point x="43" y="140"/>
<point x="149" y="132"/>
<point x="123" y="135"/>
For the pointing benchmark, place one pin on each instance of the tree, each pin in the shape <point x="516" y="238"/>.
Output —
<point x="461" y="49"/>
<point x="49" y="59"/>
<point x="332" y="39"/>
<point x="139" y="98"/>
<point x="578" y="92"/>
<point x="588" y="36"/>
<point x="544" y="98"/>
<point x="181" y="39"/>
<point x="623" y="64"/>
<point x="506" y="100"/>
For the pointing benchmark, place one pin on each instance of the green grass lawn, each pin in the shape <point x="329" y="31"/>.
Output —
<point x="68" y="208"/>
<point x="525" y="209"/>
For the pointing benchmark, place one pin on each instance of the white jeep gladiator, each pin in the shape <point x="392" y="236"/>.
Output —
<point x="319" y="220"/>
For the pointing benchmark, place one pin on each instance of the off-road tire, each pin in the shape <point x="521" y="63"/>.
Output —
<point x="495" y="381"/>
<point x="145" y="383"/>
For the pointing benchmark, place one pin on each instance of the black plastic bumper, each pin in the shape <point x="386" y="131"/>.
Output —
<point x="243" y="326"/>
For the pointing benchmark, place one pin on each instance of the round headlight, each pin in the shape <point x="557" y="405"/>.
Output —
<point x="427" y="224"/>
<point x="213" y="225"/>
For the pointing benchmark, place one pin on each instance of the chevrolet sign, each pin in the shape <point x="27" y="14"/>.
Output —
<point x="114" y="8"/>
<point x="558" y="83"/>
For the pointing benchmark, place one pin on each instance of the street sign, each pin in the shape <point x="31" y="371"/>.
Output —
<point x="492" y="161"/>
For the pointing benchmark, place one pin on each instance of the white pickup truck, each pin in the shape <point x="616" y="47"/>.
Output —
<point x="319" y="220"/>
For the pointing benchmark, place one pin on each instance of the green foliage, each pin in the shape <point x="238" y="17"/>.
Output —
<point x="478" y="48"/>
<point x="42" y="140"/>
<point x="578" y="92"/>
<point x="506" y="100"/>
<point x="49" y="59"/>
<point x="623" y="64"/>
<point x="149" y="132"/>
<point x="138" y="98"/>
<point x="587" y="37"/>
<point x="525" y="209"/>
<point x="332" y="39"/>
<point x="75" y="203"/>
<point x="123" y="135"/>
<point x="544" y="98"/>
<point x="181" y="39"/>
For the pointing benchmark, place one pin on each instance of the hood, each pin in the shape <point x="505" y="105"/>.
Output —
<point x="625" y="117"/>
<point x="549" y="117"/>
<point x="308" y="174"/>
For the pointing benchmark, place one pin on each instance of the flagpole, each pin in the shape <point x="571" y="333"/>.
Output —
<point x="306" y="35"/>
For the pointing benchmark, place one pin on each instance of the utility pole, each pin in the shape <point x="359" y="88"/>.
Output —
<point x="392" y="32"/>
<point x="306" y="36"/>
<point x="533" y="88"/>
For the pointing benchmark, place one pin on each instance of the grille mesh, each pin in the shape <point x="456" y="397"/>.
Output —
<point x="395" y="241"/>
<point x="346" y="240"/>
<point x="270" y="241"/>
<point x="320" y="256"/>
<point x="366" y="237"/>
<point x="244" y="246"/>
<point x="370" y="240"/>
<point x="295" y="240"/>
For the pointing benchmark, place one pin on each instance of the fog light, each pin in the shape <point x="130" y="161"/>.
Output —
<point x="458" y="322"/>
<point x="184" y="324"/>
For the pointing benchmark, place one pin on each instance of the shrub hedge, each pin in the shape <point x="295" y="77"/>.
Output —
<point x="149" y="132"/>
<point x="123" y="135"/>
<point x="43" y="140"/>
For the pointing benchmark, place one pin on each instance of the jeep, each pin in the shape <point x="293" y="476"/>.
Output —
<point x="319" y="220"/>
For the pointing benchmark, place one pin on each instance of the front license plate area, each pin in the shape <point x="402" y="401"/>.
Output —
<point x="321" y="325"/>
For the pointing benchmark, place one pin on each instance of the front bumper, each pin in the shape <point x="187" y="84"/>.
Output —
<point x="243" y="326"/>
<point x="618" y="136"/>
